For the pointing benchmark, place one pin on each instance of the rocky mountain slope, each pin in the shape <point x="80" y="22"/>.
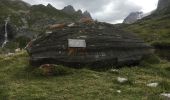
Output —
<point x="162" y="9"/>
<point x="155" y="28"/>
<point x="71" y="11"/>
<point x="163" y="4"/>
<point x="135" y="16"/>
<point x="28" y="21"/>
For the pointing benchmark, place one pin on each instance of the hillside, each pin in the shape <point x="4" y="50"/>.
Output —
<point x="155" y="27"/>
<point x="36" y="16"/>
<point x="28" y="21"/>
<point x="20" y="82"/>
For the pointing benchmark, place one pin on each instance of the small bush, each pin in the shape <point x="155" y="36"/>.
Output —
<point x="22" y="41"/>
<point x="52" y="70"/>
<point x="168" y="69"/>
<point x="161" y="44"/>
<point x="165" y="86"/>
<point x="11" y="45"/>
<point x="61" y="70"/>
<point x="150" y="59"/>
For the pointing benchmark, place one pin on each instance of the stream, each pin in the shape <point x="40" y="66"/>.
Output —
<point x="6" y="32"/>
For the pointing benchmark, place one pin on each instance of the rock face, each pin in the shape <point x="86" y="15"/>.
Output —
<point x="28" y="20"/>
<point x="88" y="43"/>
<point x="133" y="17"/>
<point x="11" y="33"/>
<point x="79" y="12"/>
<point x="69" y="9"/>
<point x="86" y="14"/>
<point x="163" y="4"/>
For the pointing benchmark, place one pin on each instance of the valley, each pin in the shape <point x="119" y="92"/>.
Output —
<point x="65" y="54"/>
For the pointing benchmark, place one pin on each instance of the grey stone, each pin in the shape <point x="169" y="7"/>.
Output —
<point x="101" y="50"/>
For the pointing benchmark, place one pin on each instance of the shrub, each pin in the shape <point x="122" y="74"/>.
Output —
<point x="150" y="59"/>
<point x="52" y="70"/>
<point x="22" y="41"/>
<point x="160" y="44"/>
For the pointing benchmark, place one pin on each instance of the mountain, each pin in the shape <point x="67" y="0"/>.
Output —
<point x="28" y="21"/>
<point x="163" y="7"/>
<point x="155" y="28"/>
<point x="71" y="11"/>
<point x="163" y="4"/>
<point x="133" y="17"/>
<point x="86" y="14"/>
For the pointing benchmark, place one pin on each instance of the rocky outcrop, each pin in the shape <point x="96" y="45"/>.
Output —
<point x="79" y="12"/>
<point x="133" y="17"/>
<point x="31" y="20"/>
<point x="69" y="9"/>
<point x="87" y="43"/>
<point x="86" y="14"/>
<point x="162" y="4"/>
<point x="11" y="32"/>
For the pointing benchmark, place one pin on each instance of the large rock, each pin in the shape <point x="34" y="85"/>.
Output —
<point x="87" y="43"/>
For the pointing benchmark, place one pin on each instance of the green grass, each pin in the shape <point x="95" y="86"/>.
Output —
<point x="19" y="82"/>
<point x="152" y="29"/>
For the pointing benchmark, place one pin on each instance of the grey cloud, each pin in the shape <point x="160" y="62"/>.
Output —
<point x="102" y="10"/>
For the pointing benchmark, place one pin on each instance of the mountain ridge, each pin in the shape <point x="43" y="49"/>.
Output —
<point x="31" y="20"/>
<point x="154" y="28"/>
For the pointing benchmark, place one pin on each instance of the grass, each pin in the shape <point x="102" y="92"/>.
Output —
<point x="18" y="82"/>
<point x="152" y="29"/>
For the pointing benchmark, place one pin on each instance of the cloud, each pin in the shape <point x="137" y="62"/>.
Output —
<point x="111" y="11"/>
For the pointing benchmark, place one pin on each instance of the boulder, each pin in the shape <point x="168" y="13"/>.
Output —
<point x="92" y="44"/>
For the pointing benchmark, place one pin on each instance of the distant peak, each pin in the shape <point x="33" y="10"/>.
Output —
<point x="137" y="12"/>
<point x="69" y="6"/>
<point x="49" y="5"/>
<point x="86" y="14"/>
<point x="133" y="17"/>
<point x="79" y="12"/>
<point x="69" y="9"/>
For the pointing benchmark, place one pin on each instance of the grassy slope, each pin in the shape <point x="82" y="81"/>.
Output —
<point x="19" y="83"/>
<point x="155" y="28"/>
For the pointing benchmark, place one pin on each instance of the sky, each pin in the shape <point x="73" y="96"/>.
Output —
<point x="111" y="11"/>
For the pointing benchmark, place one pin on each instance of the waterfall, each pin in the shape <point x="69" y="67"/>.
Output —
<point x="6" y="32"/>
